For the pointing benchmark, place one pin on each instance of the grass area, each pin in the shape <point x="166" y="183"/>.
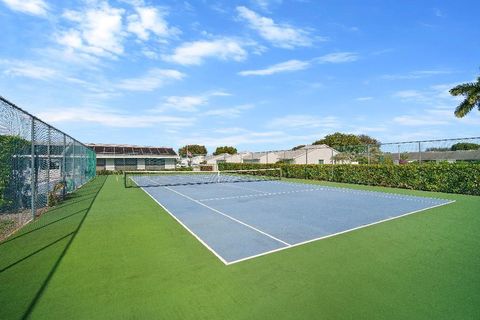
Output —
<point x="111" y="252"/>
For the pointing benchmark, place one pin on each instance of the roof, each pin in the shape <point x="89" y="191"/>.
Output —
<point x="131" y="149"/>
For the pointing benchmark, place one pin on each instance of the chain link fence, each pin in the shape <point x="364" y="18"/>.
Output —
<point x="39" y="166"/>
<point x="413" y="152"/>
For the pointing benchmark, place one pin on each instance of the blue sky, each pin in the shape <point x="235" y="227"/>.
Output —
<point x="255" y="74"/>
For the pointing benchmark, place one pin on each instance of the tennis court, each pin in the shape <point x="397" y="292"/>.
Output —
<point x="245" y="214"/>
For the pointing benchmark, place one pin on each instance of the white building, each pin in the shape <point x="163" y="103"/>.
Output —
<point x="130" y="157"/>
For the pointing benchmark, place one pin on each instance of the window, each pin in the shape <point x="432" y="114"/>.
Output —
<point x="321" y="161"/>
<point x="154" y="164"/>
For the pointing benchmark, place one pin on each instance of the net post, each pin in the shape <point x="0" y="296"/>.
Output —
<point x="125" y="179"/>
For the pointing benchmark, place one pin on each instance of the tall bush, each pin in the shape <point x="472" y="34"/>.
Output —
<point x="463" y="178"/>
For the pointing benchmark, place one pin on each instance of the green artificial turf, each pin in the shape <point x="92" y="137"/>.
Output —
<point x="130" y="259"/>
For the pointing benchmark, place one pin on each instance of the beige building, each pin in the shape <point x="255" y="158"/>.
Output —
<point x="260" y="157"/>
<point x="311" y="154"/>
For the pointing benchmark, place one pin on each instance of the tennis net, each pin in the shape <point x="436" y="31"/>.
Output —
<point x="175" y="178"/>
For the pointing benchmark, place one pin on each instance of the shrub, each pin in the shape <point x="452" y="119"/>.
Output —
<point x="463" y="178"/>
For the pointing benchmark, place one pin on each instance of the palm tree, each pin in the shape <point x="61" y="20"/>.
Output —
<point x="471" y="91"/>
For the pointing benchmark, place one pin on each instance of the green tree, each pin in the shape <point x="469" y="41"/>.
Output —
<point x="225" y="149"/>
<point x="465" y="146"/>
<point x="471" y="92"/>
<point x="193" y="149"/>
<point x="352" y="148"/>
<point x="338" y="139"/>
<point x="364" y="139"/>
<point x="298" y="147"/>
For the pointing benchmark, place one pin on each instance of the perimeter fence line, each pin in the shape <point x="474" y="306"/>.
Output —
<point x="418" y="152"/>
<point x="39" y="166"/>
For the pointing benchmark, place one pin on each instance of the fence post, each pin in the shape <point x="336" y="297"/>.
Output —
<point x="332" y="164"/>
<point x="419" y="152"/>
<point x="48" y="159"/>
<point x="398" y="151"/>
<point x="64" y="166"/>
<point x="306" y="163"/>
<point x="33" y="185"/>
<point x="73" y="166"/>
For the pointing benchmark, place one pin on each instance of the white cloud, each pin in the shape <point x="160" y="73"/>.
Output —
<point x="33" y="7"/>
<point x="304" y="121"/>
<point x="287" y="66"/>
<point x="364" y="98"/>
<point x="436" y="95"/>
<point x="98" y="31"/>
<point x="231" y="113"/>
<point x="265" y="4"/>
<point x="436" y="116"/>
<point x="153" y="79"/>
<point x="185" y="103"/>
<point x="296" y="65"/>
<point x="417" y="120"/>
<point x="414" y="75"/>
<point x="112" y="118"/>
<point x="280" y="35"/>
<point x="147" y="21"/>
<point x="28" y="70"/>
<point x="188" y="103"/>
<point x="239" y="136"/>
<point x="337" y="57"/>
<point x="194" y="53"/>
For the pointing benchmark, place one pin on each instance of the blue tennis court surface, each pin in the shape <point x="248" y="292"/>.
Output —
<point x="242" y="220"/>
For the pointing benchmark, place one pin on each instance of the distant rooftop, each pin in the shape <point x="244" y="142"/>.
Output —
<point x="131" y="149"/>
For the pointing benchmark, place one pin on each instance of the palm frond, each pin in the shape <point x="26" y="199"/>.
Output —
<point x="464" y="108"/>
<point x="462" y="89"/>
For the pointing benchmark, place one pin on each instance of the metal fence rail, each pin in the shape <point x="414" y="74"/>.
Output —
<point x="414" y="152"/>
<point x="39" y="165"/>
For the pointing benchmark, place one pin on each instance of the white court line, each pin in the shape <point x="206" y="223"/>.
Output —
<point x="244" y="188"/>
<point x="226" y="215"/>
<point x="266" y="194"/>
<point x="188" y="229"/>
<point x="382" y="194"/>
<point x="336" y="234"/>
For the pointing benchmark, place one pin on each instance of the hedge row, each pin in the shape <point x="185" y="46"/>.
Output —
<point x="460" y="178"/>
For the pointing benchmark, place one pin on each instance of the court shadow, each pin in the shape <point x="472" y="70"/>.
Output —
<point x="29" y="258"/>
